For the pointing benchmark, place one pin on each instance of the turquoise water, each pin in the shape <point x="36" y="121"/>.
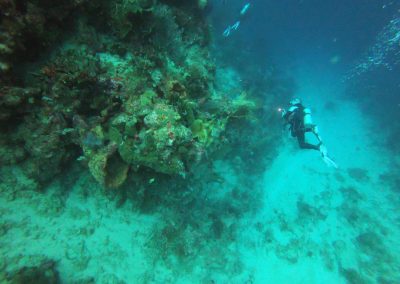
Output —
<point x="251" y="211"/>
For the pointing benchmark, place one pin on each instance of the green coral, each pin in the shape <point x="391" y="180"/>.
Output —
<point x="242" y="107"/>
<point x="202" y="131"/>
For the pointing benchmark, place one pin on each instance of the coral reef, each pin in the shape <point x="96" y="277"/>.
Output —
<point x="123" y="93"/>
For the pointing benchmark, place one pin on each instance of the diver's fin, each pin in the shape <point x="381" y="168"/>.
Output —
<point x="329" y="161"/>
<point x="323" y="149"/>
<point x="326" y="158"/>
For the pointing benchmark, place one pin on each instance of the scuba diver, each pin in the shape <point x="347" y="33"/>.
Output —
<point x="235" y="26"/>
<point x="299" y="120"/>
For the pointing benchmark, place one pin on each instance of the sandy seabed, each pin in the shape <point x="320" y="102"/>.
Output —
<point x="316" y="224"/>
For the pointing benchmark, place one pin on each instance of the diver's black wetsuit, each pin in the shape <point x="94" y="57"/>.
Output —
<point x="295" y="119"/>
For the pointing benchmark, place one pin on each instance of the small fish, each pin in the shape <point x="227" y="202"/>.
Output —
<point x="245" y="8"/>
<point x="235" y="25"/>
<point x="227" y="31"/>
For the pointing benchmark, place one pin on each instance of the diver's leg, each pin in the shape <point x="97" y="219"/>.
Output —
<point x="301" y="139"/>
<point x="314" y="130"/>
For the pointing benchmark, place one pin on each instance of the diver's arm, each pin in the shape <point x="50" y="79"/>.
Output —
<point x="285" y="115"/>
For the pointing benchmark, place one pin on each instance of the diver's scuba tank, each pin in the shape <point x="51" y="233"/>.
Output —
<point x="307" y="119"/>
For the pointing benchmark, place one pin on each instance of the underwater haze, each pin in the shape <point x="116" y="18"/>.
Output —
<point x="153" y="141"/>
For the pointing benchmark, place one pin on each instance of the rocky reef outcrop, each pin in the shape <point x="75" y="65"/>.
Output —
<point x="120" y="86"/>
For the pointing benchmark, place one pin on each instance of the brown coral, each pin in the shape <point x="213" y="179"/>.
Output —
<point x="108" y="168"/>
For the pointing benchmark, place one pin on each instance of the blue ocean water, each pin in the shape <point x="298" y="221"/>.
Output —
<point x="278" y="215"/>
